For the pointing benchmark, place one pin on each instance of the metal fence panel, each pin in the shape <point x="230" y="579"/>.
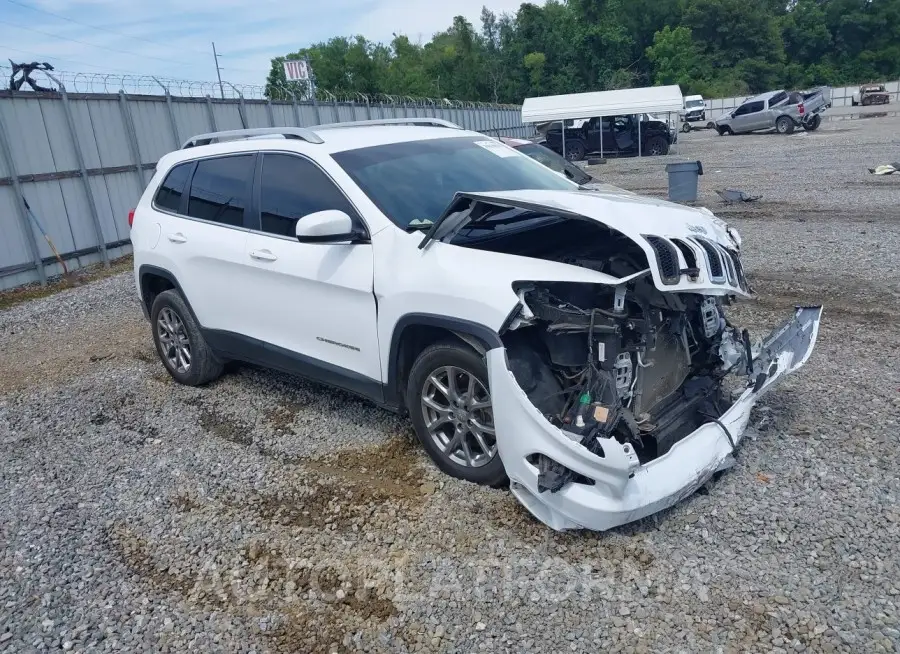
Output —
<point x="27" y="137"/>
<point x="227" y="115"/>
<point x="191" y="117"/>
<point x="257" y="114"/>
<point x="13" y="246"/>
<point x="153" y="129"/>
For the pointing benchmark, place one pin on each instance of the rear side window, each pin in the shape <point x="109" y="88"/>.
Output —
<point x="777" y="98"/>
<point x="219" y="189"/>
<point x="168" y="196"/>
<point x="292" y="187"/>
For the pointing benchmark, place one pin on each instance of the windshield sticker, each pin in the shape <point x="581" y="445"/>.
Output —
<point x="498" y="148"/>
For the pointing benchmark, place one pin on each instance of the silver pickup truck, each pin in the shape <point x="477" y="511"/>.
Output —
<point x="782" y="111"/>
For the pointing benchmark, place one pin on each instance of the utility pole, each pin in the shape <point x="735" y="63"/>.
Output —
<point x="218" y="70"/>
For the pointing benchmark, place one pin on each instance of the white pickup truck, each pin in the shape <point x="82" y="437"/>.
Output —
<point x="782" y="111"/>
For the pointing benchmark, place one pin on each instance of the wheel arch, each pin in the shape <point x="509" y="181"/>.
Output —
<point x="416" y="331"/>
<point x="154" y="280"/>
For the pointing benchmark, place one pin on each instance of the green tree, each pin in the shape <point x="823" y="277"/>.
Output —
<point x="676" y="59"/>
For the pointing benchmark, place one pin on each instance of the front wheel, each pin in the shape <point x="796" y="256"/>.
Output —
<point x="784" y="125"/>
<point x="450" y="405"/>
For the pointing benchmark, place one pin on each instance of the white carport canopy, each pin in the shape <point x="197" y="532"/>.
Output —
<point x="647" y="100"/>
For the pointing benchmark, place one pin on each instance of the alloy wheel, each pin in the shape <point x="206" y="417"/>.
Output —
<point x="173" y="340"/>
<point x="458" y="416"/>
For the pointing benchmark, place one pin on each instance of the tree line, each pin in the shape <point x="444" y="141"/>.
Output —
<point x="714" y="47"/>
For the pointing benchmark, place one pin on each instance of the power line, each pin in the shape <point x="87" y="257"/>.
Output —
<point x="94" y="45"/>
<point x="71" y="61"/>
<point x="117" y="33"/>
<point x="93" y="27"/>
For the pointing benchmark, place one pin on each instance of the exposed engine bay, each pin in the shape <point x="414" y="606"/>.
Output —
<point x="628" y="362"/>
<point x="621" y="386"/>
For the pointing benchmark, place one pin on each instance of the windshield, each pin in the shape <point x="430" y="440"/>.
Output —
<point x="690" y="104"/>
<point x="555" y="162"/>
<point x="413" y="182"/>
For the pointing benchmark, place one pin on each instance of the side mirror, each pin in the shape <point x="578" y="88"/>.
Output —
<point x="329" y="226"/>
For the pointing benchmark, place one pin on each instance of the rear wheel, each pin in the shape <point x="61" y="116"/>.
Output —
<point x="656" y="146"/>
<point x="784" y="125"/>
<point x="575" y="150"/>
<point x="725" y="130"/>
<point x="179" y="343"/>
<point x="813" y="125"/>
<point x="450" y="405"/>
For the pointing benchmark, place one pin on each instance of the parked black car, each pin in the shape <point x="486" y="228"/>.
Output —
<point x="619" y="134"/>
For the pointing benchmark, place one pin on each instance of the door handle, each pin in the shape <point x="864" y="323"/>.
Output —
<point x="263" y="255"/>
<point x="177" y="237"/>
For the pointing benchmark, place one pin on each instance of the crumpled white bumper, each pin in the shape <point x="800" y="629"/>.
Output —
<point x="624" y="490"/>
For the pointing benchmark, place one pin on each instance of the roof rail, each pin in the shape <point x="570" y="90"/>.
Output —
<point x="301" y="133"/>
<point x="412" y="120"/>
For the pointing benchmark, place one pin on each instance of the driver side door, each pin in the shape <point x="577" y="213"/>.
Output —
<point x="314" y="302"/>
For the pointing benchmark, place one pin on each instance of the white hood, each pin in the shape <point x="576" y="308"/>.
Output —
<point x="638" y="217"/>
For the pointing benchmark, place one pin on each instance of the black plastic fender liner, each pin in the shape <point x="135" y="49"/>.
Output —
<point x="146" y="270"/>
<point x="483" y="335"/>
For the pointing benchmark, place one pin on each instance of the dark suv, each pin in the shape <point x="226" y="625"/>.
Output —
<point x="619" y="137"/>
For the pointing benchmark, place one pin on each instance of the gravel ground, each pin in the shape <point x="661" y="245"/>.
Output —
<point x="265" y="514"/>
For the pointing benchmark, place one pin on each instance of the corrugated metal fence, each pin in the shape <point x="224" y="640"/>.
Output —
<point x="81" y="161"/>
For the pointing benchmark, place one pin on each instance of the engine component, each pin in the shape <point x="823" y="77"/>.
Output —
<point x="664" y="371"/>
<point x="624" y="370"/>
<point x="732" y="350"/>
<point x="711" y="317"/>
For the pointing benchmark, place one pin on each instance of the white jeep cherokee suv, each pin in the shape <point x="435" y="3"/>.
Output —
<point x="573" y="342"/>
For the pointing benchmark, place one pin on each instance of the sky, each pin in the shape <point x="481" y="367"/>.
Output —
<point x="172" y="39"/>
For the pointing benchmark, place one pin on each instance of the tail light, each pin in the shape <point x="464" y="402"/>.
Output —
<point x="131" y="218"/>
<point x="801" y="109"/>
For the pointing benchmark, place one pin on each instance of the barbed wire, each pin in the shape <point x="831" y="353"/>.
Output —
<point x="77" y="82"/>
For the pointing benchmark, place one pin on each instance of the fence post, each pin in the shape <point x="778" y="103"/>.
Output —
<point x="212" y="116"/>
<point x="368" y="109"/>
<point x="270" y="112"/>
<point x="172" y="121"/>
<point x="241" y="111"/>
<point x="133" y="145"/>
<point x="296" y="110"/>
<point x="6" y="151"/>
<point x="79" y="156"/>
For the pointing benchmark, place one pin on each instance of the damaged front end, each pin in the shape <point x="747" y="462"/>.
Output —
<point x="614" y="403"/>
<point x="615" y="399"/>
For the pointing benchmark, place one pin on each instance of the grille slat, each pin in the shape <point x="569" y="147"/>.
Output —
<point x="713" y="260"/>
<point x="666" y="258"/>
<point x="729" y="264"/>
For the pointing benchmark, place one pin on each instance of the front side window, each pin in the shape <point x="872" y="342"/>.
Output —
<point x="413" y="182"/>
<point x="292" y="187"/>
<point x="555" y="162"/>
<point x="168" y="196"/>
<point x="219" y="189"/>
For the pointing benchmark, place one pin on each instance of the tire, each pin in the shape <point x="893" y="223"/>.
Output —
<point x="784" y="125"/>
<point x="175" y="329"/>
<point x="854" y="103"/>
<point x="813" y="124"/>
<point x="453" y="441"/>
<point x="686" y="128"/>
<point x="575" y="150"/>
<point x="725" y="131"/>
<point x="656" y="146"/>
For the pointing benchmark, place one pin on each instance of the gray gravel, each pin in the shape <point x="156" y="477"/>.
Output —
<point x="264" y="514"/>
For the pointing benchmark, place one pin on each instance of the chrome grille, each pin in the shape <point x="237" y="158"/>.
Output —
<point x="666" y="258"/>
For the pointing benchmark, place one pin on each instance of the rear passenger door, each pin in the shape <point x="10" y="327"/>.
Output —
<point x="315" y="300"/>
<point x="202" y="232"/>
